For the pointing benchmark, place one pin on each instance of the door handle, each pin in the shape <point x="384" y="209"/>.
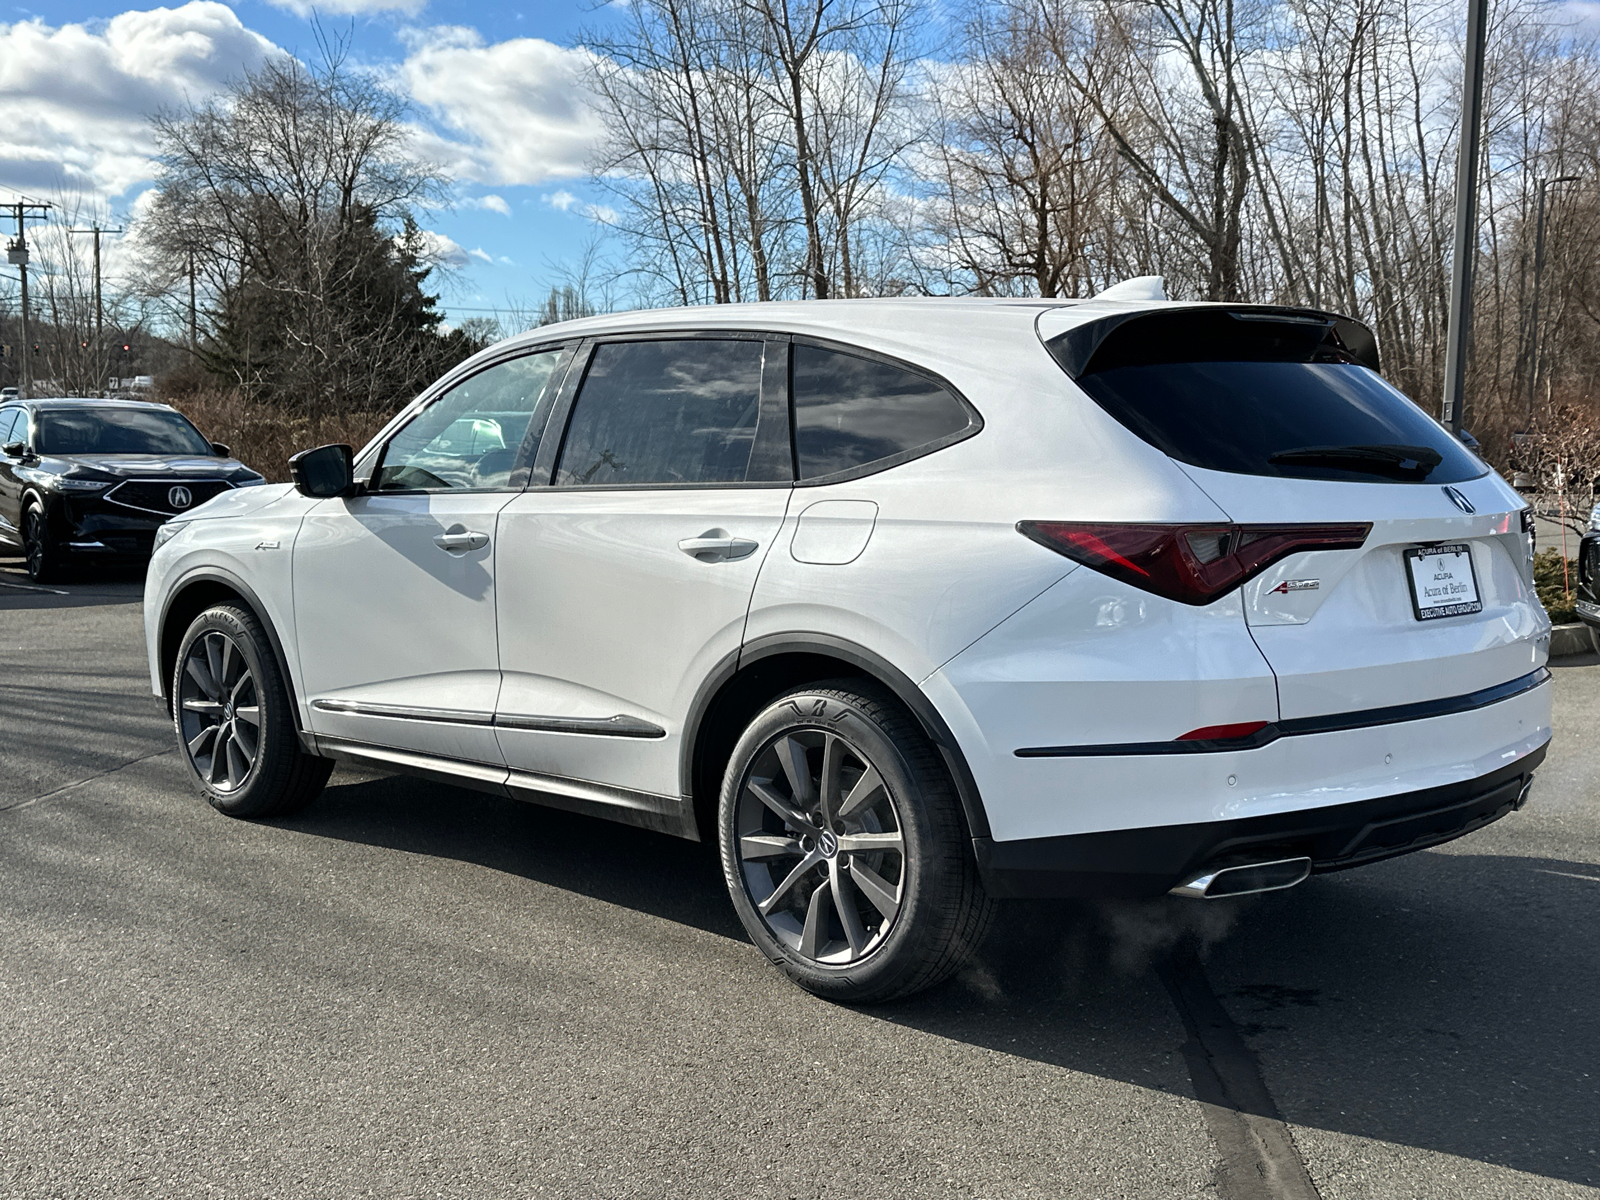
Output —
<point x="458" y="540"/>
<point x="718" y="545"/>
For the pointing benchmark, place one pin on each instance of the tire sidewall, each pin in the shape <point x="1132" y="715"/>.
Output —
<point x="257" y="791"/>
<point x="36" y="532"/>
<point x="901" y="953"/>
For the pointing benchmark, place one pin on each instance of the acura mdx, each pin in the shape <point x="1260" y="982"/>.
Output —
<point x="907" y="605"/>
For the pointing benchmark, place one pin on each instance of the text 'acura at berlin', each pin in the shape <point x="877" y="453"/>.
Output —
<point x="906" y="604"/>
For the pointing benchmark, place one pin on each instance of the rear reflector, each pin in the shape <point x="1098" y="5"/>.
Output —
<point x="1222" y="733"/>
<point x="1193" y="564"/>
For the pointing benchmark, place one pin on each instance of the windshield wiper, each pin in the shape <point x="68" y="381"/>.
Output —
<point x="1405" y="463"/>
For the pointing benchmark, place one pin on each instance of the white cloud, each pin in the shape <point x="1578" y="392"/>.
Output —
<point x="490" y="203"/>
<point x="441" y="249"/>
<point x="483" y="254"/>
<point x="512" y="112"/>
<point x="563" y="200"/>
<point x="77" y="101"/>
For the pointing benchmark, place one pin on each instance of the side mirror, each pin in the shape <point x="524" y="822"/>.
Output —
<point x="222" y="449"/>
<point x="324" y="472"/>
<point x="16" y="450"/>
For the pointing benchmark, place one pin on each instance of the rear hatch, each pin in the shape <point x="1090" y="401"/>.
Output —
<point x="1280" y="416"/>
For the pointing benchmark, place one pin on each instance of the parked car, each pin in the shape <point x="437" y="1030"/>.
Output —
<point x="905" y="604"/>
<point x="1587" y="602"/>
<point x="88" y="482"/>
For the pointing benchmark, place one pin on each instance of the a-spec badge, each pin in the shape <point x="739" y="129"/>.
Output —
<point x="1295" y="585"/>
<point x="1459" y="499"/>
<point x="179" y="497"/>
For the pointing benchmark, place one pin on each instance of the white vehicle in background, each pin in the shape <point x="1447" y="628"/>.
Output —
<point x="906" y="604"/>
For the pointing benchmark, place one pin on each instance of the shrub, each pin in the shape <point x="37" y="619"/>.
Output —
<point x="263" y="437"/>
<point x="1551" y="576"/>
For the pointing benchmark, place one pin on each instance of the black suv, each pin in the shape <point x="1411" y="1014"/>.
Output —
<point x="90" y="480"/>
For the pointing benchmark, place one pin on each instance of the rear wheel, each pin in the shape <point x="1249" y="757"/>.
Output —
<point x="44" y="559"/>
<point x="843" y="846"/>
<point x="234" y="720"/>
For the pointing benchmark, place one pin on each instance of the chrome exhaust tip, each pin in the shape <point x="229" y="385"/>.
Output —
<point x="1245" y="879"/>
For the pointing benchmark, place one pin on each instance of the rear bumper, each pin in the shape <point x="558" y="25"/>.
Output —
<point x="1147" y="862"/>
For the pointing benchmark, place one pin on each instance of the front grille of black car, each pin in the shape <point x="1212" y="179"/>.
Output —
<point x="155" y="495"/>
<point x="1589" y="562"/>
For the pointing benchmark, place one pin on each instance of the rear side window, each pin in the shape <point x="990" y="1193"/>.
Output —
<point x="1260" y="393"/>
<point x="852" y="412"/>
<point x="664" y="412"/>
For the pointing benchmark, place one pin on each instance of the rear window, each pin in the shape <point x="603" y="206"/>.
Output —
<point x="1260" y="393"/>
<point x="664" y="412"/>
<point x="118" y="431"/>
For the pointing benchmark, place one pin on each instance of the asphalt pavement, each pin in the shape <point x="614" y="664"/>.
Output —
<point x="415" y="991"/>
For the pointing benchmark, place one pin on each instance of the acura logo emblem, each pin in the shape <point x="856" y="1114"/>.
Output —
<point x="1459" y="500"/>
<point x="179" y="497"/>
<point x="827" y="843"/>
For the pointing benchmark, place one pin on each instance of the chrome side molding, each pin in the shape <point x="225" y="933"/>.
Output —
<point x="664" y="814"/>
<point x="1245" y="879"/>
<point x="617" y="726"/>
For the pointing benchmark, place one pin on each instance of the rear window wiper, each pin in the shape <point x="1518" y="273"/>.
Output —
<point x="1391" y="462"/>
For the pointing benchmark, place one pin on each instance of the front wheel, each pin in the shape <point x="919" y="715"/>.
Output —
<point x="235" y="722"/>
<point x="44" y="559"/>
<point x="843" y="846"/>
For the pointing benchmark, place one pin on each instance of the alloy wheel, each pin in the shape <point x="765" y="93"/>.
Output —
<point x="33" y="542"/>
<point x="219" y="712"/>
<point x="821" y="847"/>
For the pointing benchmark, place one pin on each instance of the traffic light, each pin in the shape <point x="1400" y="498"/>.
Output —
<point x="83" y="345"/>
<point x="126" y="347"/>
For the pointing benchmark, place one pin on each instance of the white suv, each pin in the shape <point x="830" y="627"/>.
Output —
<point x="907" y="604"/>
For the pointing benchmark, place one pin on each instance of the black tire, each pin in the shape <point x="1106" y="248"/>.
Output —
<point x="39" y="548"/>
<point x="235" y="722"/>
<point x="900" y="839"/>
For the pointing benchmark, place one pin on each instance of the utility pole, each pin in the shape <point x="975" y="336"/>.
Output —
<point x="1459" y="331"/>
<point x="99" y="310"/>
<point x="17" y="256"/>
<point x="194" y="340"/>
<point x="1538" y="277"/>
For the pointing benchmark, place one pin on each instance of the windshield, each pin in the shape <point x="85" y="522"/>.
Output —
<point x="118" y="431"/>
<point x="1257" y="395"/>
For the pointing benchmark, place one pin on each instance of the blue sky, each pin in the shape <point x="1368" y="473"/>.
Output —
<point x="493" y="86"/>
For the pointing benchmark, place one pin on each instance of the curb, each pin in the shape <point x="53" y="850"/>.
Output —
<point x="1576" y="638"/>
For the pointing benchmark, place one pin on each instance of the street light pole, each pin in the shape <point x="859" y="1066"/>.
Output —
<point x="1459" y="330"/>
<point x="1538" y="278"/>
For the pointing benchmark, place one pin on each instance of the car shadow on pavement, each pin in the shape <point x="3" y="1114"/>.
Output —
<point x="116" y="585"/>
<point x="1445" y="1001"/>
<point x="649" y="872"/>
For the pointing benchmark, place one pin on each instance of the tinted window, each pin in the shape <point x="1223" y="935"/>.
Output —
<point x="1264" y="396"/>
<point x="851" y="411"/>
<point x="469" y="437"/>
<point x="664" y="412"/>
<point x="118" y="431"/>
<point x="8" y="418"/>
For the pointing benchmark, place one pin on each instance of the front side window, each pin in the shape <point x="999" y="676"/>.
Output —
<point x="664" y="412"/>
<point x="470" y="436"/>
<point x="851" y="412"/>
<point x="118" y="431"/>
<point x="8" y="418"/>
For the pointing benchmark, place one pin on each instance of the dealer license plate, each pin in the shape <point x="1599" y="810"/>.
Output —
<point x="1442" y="582"/>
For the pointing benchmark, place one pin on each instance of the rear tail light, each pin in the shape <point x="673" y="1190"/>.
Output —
<point x="1193" y="564"/>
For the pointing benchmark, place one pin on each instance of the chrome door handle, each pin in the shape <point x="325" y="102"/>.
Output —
<point x="458" y="539"/>
<point x="717" y="545"/>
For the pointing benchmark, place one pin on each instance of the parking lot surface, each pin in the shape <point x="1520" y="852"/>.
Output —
<point x="415" y="991"/>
